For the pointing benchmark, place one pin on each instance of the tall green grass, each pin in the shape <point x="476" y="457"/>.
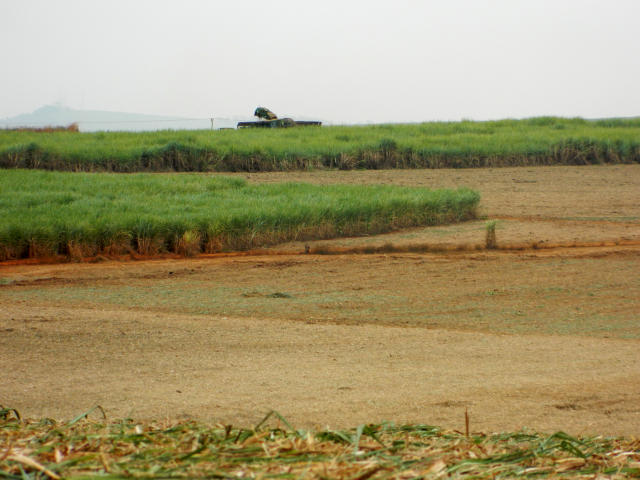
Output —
<point x="83" y="214"/>
<point x="535" y="141"/>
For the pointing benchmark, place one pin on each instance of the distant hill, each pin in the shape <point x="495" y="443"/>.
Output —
<point x="97" y="120"/>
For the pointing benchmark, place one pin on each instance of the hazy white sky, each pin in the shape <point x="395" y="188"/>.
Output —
<point x="338" y="60"/>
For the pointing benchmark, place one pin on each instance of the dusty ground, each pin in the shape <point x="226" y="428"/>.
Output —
<point x="545" y="337"/>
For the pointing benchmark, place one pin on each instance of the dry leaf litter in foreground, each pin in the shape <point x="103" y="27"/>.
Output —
<point x="82" y="448"/>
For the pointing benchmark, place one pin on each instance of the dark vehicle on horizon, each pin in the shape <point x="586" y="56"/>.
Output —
<point x="271" y="120"/>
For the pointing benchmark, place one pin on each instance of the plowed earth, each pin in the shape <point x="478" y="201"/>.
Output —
<point x="543" y="332"/>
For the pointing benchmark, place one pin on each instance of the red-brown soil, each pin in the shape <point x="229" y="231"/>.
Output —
<point x="542" y="332"/>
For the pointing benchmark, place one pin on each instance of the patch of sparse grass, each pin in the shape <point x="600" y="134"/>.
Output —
<point x="79" y="449"/>
<point x="490" y="238"/>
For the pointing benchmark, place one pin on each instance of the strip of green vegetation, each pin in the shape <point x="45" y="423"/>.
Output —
<point x="127" y="449"/>
<point x="535" y="141"/>
<point x="83" y="214"/>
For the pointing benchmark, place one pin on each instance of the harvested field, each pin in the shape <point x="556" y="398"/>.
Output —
<point x="541" y="332"/>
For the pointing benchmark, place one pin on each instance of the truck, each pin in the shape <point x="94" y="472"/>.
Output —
<point x="268" y="119"/>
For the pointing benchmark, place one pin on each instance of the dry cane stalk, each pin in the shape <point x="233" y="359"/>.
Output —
<point x="466" y="422"/>
<point x="18" y="457"/>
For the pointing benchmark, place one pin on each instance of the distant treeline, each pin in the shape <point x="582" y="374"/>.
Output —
<point x="47" y="129"/>
<point x="466" y="144"/>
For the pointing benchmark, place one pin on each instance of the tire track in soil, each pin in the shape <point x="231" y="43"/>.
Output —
<point x="287" y="258"/>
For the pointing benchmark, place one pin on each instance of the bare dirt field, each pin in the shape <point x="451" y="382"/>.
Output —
<point x="543" y="332"/>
